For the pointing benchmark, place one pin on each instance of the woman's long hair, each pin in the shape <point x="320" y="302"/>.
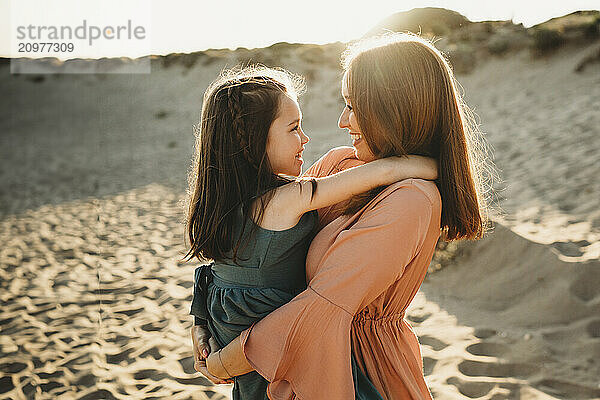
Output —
<point x="405" y="99"/>
<point x="230" y="168"/>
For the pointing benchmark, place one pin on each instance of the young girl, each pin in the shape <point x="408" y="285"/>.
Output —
<point x="246" y="212"/>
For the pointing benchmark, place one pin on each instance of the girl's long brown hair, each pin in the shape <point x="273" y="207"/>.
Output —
<point x="405" y="99"/>
<point x="230" y="168"/>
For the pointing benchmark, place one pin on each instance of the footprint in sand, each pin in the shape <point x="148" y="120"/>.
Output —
<point x="12" y="367"/>
<point x="187" y="364"/>
<point x="153" y="352"/>
<point x="484" y="333"/>
<point x="154" y="326"/>
<point x="120" y="357"/>
<point x="434" y="343"/>
<point x="86" y="380"/>
<point x="428" y="365"/>
<point x="152" y="374"/>
<point x="185" y="284"/>
<point x="6" y="384"/>
<point x="130" y="311"/>
<point x="471" y="389"/>
<point x="496" y="370"/>
<point x="487" y="349"/>
<point x="570" y="249"/>
<point x="418" y="318"/>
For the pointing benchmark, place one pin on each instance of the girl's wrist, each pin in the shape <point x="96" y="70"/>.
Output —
<point x="392" y="170"/>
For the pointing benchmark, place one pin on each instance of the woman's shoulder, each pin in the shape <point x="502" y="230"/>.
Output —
<point x="427" y="188"/>
<point x="410" y="193"/>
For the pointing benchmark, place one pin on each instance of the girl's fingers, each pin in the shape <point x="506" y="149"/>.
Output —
<point x="203" y="351"/>
<point x="200" y="339"/>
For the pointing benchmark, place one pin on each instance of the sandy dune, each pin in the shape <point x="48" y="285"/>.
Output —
<point x="92" y="175"/>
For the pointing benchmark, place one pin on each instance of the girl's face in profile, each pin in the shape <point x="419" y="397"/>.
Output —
<point x="348" y="121"/>
<point x="286" y="140"/>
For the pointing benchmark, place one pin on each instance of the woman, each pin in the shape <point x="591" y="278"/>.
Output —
<point x="367" y="264"/>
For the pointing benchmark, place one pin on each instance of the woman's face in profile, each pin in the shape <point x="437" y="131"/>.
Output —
<point x="348" y="121"/>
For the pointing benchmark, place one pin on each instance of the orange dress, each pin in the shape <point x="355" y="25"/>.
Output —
<point x="363" y="270"/>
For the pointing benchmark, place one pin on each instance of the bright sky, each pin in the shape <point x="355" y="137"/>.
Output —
<point x="191" y="25"/>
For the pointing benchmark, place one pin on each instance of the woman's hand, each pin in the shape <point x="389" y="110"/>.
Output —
<point x="229" y="361"/>
<point x="214" y="366"/>
<point x="203" y="346"/>
<point x="201" y="367"/>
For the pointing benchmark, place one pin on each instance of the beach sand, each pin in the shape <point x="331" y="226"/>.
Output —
<point x="94" y="301"/>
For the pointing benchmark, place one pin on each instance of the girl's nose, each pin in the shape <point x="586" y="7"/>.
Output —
<point x="304" y="138"/>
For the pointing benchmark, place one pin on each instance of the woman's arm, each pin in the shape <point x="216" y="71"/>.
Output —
<point x="294" y="199"/>
<point x="360" y="265"/>
<point x="229" y="361"/>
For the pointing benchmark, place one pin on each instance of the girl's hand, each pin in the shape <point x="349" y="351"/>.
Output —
<point x="203" y="345"/>
<point x="200" y="336"/>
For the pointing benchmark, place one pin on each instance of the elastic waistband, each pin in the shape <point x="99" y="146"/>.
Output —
<point x="365" y="316"/>
<point x="225" y="283"/>
<point x="234" y="276"/>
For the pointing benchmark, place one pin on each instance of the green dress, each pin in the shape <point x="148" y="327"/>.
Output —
<point x="269" y="272"/>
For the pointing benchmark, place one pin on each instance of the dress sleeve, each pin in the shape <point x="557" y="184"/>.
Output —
<point x="303" y="348"/>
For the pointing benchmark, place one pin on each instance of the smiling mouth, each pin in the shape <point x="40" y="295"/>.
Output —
<point x="356" y="138"/>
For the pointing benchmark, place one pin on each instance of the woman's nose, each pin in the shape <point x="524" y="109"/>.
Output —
<point x="343" y="121"/>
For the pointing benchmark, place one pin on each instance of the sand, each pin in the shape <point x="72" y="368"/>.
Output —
<point x="92" y="178"/>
